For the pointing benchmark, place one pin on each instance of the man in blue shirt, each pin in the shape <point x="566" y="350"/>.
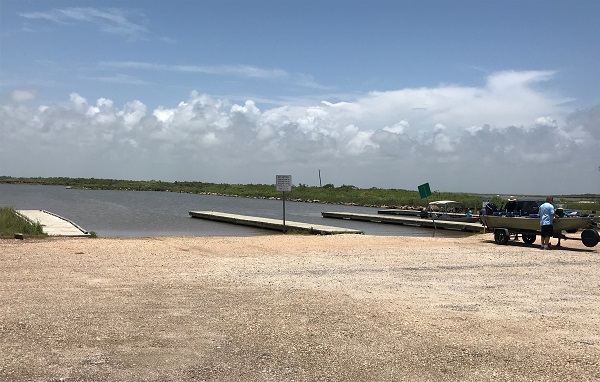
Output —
<point x="546" y="216"/>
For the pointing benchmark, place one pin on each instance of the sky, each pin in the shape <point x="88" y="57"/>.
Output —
<point x="498" y="97"/>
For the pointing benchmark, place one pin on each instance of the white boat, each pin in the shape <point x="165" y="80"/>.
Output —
<point x="452" y="211"/>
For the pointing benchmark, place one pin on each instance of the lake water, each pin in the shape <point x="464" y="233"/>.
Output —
<point x="112" y="213"/>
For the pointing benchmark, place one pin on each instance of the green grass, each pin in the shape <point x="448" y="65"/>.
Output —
<point x="11" y="223"/>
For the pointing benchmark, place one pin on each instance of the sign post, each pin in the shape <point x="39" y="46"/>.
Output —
<point x="283" y="183"/>
<point x="425" y="193"/>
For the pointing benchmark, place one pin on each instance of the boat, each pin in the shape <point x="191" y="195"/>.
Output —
<point x="452" y="211"/>
<point x="504" y="226"/>
<point x="521" y="215"/>
<point x="531" y="223"/>
<point x="448" y="210"/>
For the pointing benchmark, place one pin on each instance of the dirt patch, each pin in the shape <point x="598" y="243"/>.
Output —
<point x="298" y="308"/>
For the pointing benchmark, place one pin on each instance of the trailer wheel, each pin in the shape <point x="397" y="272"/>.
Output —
<point x="501" y="236"/>
<point x="590" y="237"/>
<point x="529" y="238"/>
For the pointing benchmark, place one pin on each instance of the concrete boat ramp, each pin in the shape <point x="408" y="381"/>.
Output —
<point x="52" y="224"/>
<point x="272" y="224"/>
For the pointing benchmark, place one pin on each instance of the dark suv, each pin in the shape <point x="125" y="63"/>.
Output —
<point x="528" y="207"/>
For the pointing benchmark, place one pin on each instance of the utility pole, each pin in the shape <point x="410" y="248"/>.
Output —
<point x="320" y="185"/>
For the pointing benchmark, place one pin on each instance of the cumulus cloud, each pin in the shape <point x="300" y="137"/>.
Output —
<point x="506" y="136"/>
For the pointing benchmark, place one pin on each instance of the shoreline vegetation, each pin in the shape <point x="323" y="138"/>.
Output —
<point x="328" y="193"/>
<point x="12" y="223"/>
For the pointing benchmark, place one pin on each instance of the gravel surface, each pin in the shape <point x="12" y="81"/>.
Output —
<point x="298" y="308"/>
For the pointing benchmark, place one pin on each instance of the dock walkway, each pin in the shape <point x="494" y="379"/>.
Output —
<point x="272" y="224"/>
<point x="405" y="220"/>
<point x="52" y="224"/>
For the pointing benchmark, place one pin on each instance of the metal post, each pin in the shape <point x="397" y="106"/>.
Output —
<point x="432" y="217"/>
<point x="284" y="229"/>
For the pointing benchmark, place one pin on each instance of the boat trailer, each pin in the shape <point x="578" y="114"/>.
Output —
<point x="589" y="236"/>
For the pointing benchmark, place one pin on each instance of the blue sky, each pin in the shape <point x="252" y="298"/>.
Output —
<point x="373" y="93"/>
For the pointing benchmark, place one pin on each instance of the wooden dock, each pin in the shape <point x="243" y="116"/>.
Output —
<point x="406" y="220"/>
<point x="272" y="224"/>
<point x="52" y="224"/>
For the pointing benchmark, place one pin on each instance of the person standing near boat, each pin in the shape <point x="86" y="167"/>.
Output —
<point x="547" y="214"/>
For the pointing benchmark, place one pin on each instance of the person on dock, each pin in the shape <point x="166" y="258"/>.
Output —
<point x="547" y="214"/>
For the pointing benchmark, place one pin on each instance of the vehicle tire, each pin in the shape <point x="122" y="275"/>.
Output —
<point x="501" y="236"/>
<point x="529" y="238"/>
<point x="590" y="237"/>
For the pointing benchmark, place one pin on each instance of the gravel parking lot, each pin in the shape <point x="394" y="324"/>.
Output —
<point x="298" y="308"/>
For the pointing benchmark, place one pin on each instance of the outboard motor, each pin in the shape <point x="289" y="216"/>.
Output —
<point x="490" y="208"/>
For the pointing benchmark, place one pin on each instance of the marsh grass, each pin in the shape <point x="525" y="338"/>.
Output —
<point x="11" y="223"/>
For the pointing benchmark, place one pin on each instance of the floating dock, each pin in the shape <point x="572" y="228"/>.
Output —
<point x="394" y="211"/>
<point x="272" y="224"/>
<point x="52" y="224"/>
<point x="405" y="220"/>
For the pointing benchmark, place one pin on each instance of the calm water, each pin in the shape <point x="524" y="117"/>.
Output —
<point x="147" y="213"/>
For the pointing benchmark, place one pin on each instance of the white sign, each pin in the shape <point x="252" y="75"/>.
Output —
<point x="283" y="183"/>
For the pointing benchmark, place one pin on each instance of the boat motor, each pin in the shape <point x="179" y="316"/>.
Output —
<point x="490" y="208"/>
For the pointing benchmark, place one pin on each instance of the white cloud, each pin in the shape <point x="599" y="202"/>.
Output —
<point x="118" y="78"/>
<point x="163" y="115"/>
<point x="78" y="102"/>
<point x="111" y="20"/>
<point x="397" y="128"/>
<point x="457" y="138"/>
<point x="247" y="71"/>
<point x="444" y="144"/>
<point x="132" y="114"/>
<point x="22" y="95"/>
<point x="360" y="143"/>
<point x="210" y="139"/>
<point x="545" y="121"/>
<point x="237" y="71"/>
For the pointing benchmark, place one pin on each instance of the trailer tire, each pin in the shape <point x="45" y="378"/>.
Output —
<point x="501" y="236"/>
<point x="529" y="238"/>
<point x="590" y="237"/>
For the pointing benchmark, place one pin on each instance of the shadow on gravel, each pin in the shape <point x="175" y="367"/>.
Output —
<point x="519" y="243"/>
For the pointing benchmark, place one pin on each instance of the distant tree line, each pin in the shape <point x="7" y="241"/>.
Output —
<point x="329" y="193"/>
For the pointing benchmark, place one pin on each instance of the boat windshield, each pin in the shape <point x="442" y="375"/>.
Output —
<point x="448" y="205"/>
